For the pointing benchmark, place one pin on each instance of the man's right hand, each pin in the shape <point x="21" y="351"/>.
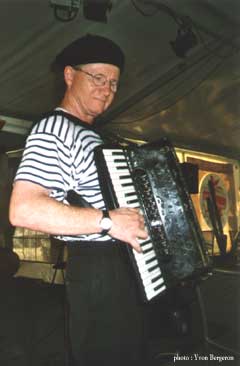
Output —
<point x="128" y="226"/>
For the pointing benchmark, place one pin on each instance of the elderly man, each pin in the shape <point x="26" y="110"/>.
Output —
<point x="106" y="322"/>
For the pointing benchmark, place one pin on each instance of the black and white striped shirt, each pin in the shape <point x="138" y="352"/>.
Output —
<point x="59" y="156"/>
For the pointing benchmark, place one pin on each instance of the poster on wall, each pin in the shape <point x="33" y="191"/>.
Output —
<point x="221" y="178"/>
<point x="221" y="195"/>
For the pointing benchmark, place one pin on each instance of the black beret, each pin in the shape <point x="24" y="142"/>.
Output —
<point x="90" y="49"/>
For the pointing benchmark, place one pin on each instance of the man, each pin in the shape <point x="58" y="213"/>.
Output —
<point x="106" y="323"/>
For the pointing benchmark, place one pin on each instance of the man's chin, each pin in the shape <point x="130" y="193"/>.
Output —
<point x="97" y="112"/>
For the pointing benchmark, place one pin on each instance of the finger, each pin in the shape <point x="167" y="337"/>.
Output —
<point x="136" y="210"/>
<point x="142" y="234"/>
<point x="142" y="222"/>
<point x="142" y="227"/>
<point x="135" y="244"/>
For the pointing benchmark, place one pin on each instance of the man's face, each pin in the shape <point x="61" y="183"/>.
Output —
<point x="89" y="99"/>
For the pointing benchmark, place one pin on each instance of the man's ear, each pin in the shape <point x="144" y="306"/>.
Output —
<point x="68" y="75"/>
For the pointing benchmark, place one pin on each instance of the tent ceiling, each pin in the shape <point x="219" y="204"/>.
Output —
<point x="193" y="100"/>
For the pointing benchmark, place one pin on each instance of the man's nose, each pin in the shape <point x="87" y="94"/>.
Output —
<point x="107" y="87"/>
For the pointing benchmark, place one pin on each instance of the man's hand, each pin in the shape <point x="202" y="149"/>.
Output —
<point x="128" y="226"/>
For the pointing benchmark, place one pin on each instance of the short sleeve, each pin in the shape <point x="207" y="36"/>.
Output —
<point x="46" y="162"/>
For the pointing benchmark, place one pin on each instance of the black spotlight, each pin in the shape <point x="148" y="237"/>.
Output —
<point x="96" y="9"/>
<point x="185" y="40"/>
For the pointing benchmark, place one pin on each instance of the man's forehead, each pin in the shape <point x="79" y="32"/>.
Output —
<point x="101" y="68"/>
<point x="98" y="64"/>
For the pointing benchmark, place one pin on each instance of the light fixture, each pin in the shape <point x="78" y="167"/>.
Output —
<point x="185" y="41"/>
<point x="15" y="125"/>
<point x="2" y="123"/>
<point x="96" y="9"/>
<point x="65" y="10"/>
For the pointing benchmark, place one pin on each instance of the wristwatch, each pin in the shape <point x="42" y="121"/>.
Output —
<point x="105" y="223"/>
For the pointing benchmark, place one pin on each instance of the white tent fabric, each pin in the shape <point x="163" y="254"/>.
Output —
<point x="192" y="100"/>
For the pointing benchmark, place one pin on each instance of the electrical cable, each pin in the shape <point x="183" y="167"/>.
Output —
<point x="147" y="116"/>
<point x="185" y="94"/>
<point x="185" y="23"/>
<point x="134" y="2"/>
<point x="222" y="57"/>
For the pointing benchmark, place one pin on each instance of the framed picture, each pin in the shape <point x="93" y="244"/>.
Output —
<point x="221" y="176"/>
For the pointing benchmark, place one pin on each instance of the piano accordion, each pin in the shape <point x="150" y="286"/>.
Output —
<point x="149" y="177"/>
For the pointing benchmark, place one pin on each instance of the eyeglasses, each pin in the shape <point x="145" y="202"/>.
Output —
<point x="100" y="79"/>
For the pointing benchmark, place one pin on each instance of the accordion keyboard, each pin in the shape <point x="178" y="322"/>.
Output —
<point x="146" y="262"/>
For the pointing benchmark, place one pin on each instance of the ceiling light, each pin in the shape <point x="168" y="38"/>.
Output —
<point x="65" y="10"/>
<point x="15" y="125"/>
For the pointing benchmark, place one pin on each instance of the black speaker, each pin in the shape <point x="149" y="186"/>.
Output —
<point x="96" y="10"/>
<point x="190" y="173"/>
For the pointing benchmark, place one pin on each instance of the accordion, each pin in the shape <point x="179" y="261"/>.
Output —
<point x="149" y="177"/>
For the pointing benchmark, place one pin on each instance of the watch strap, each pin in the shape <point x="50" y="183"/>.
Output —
<point x="105" y="214"/>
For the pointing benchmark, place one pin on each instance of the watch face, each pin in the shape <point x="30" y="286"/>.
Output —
<point x="106" y="223"/>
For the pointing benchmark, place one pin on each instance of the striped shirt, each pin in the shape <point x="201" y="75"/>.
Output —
<point x="59" y="156"/>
